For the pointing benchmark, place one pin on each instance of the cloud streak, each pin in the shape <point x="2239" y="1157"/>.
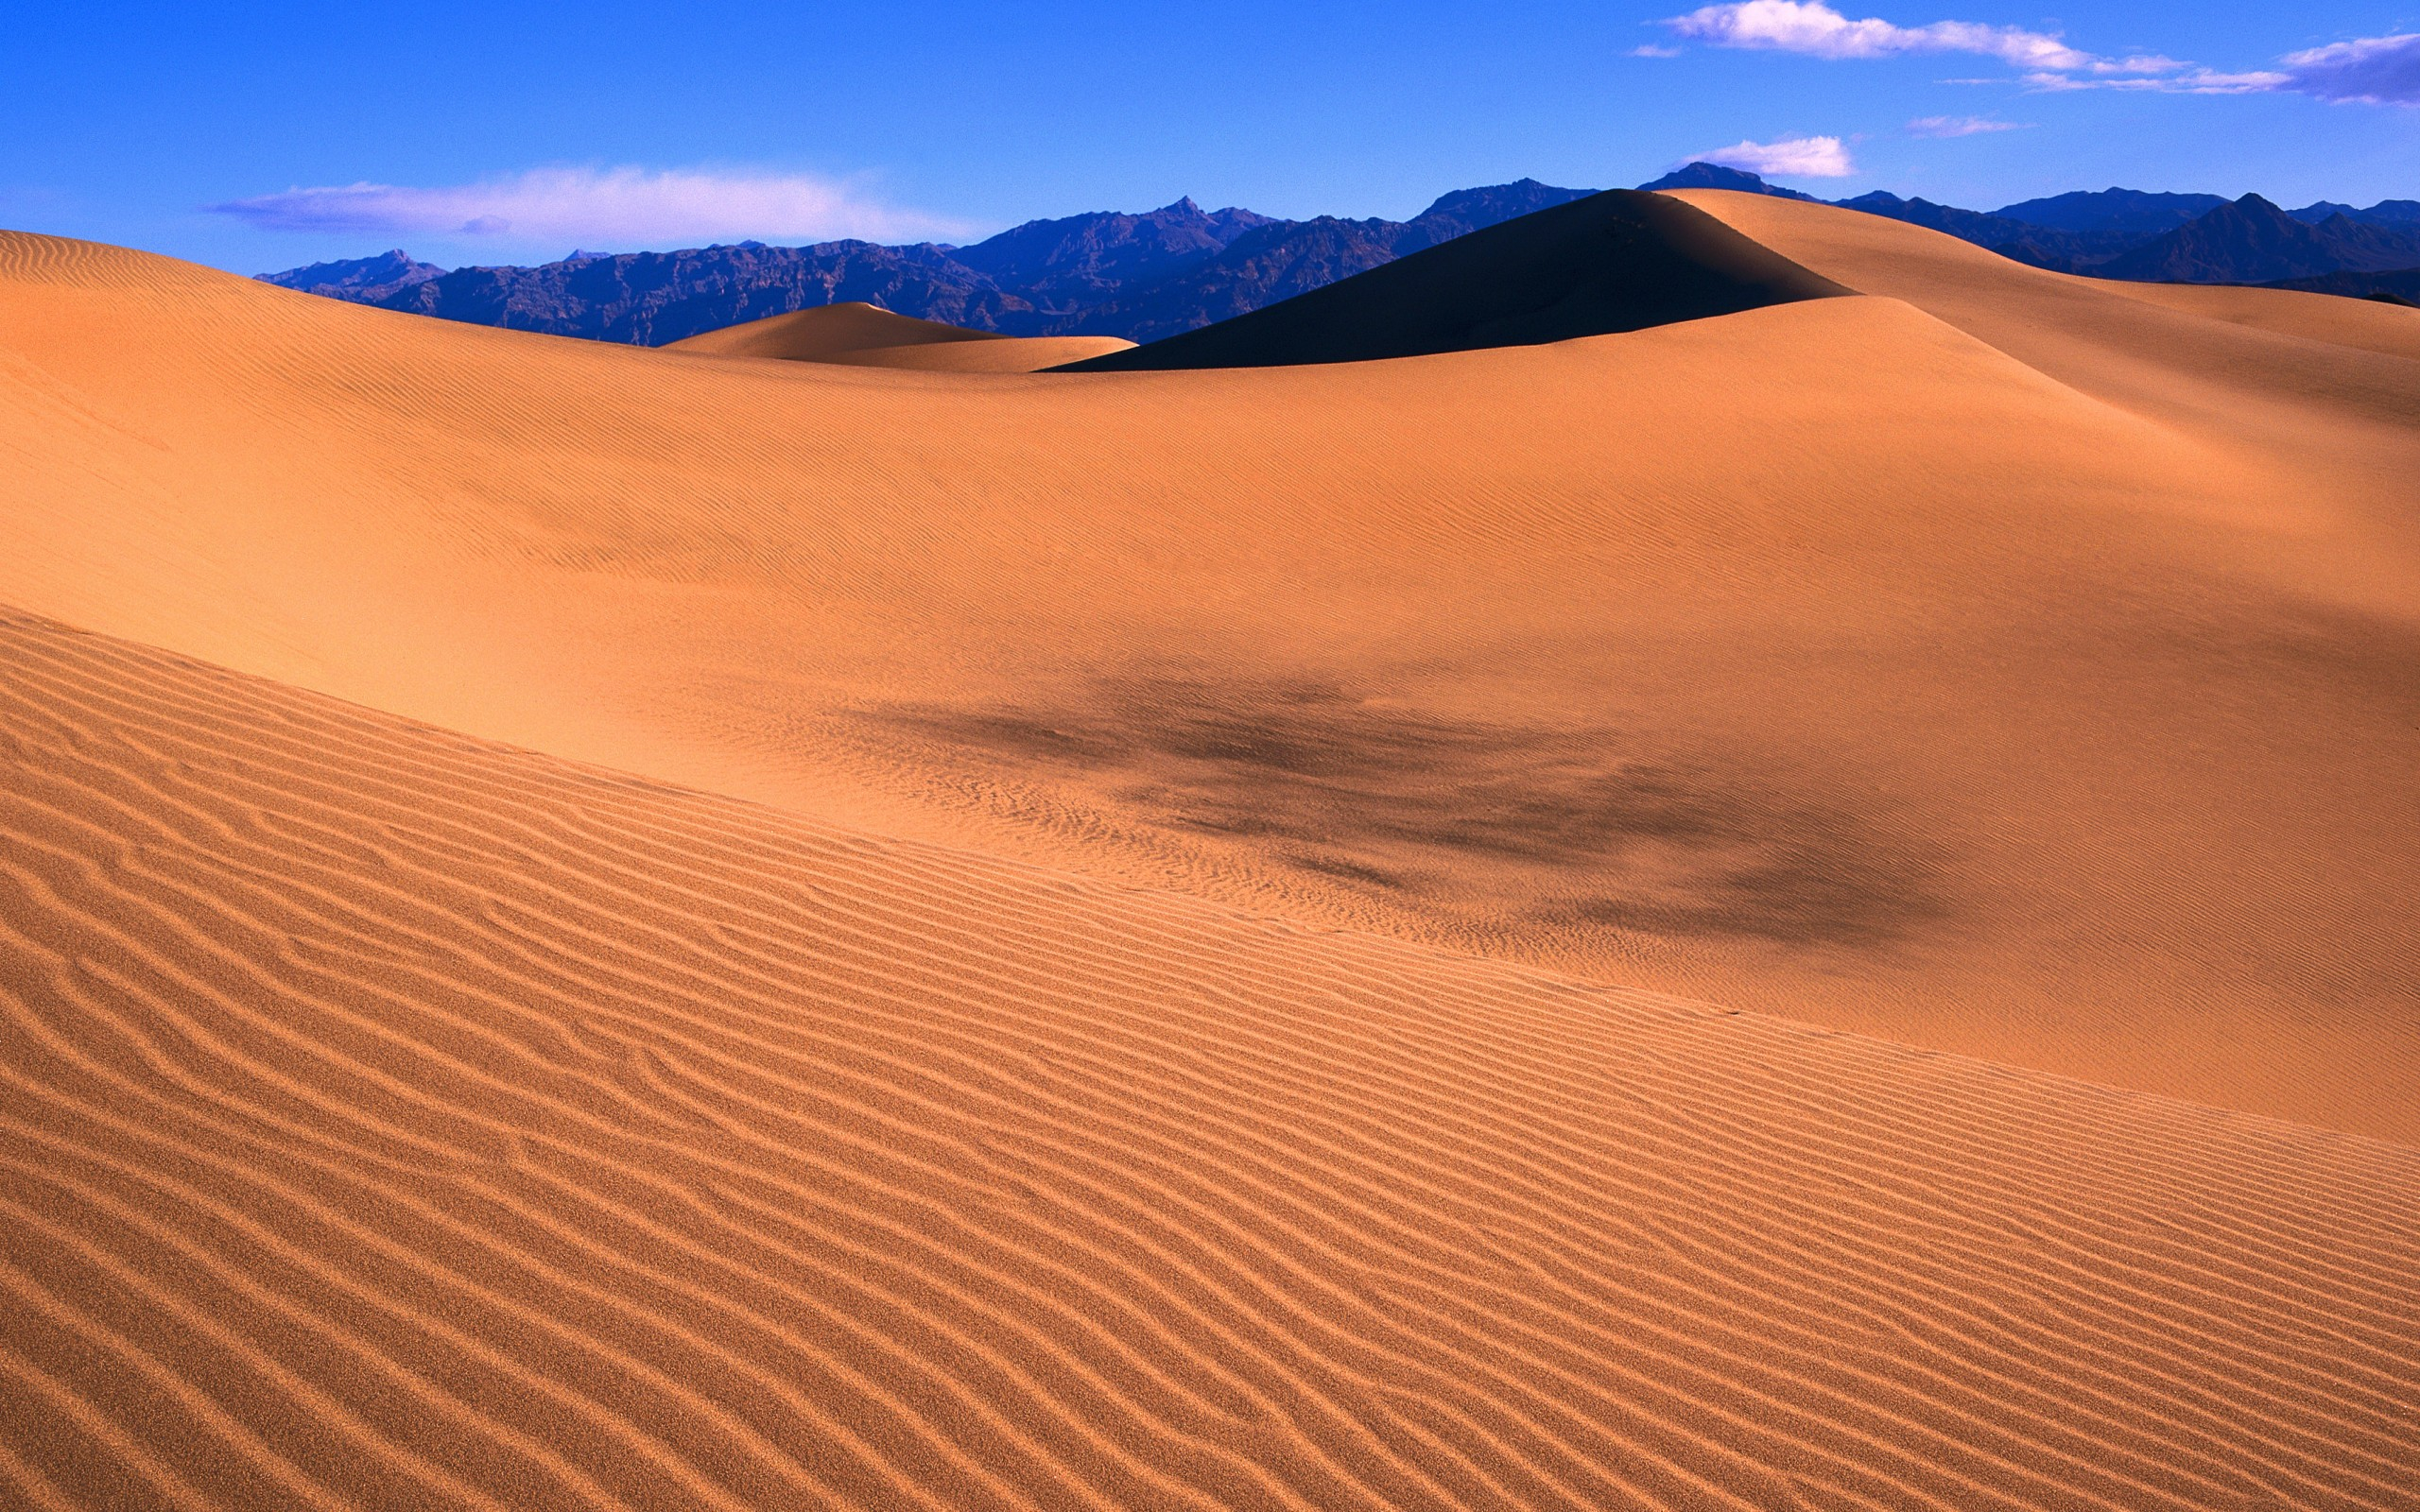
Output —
<point x="1797" y="157"/>
<point x="2188" y="80"/>
<point x="2371" y="69"/>
<point x="2366" y="70"/>
<point x="620" y="207"/>
<point x="1950" y="126"/>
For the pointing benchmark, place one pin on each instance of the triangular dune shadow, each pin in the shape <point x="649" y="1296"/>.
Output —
<point x="1617" y="261"/>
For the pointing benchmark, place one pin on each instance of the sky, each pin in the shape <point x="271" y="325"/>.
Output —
<point x="257" y="137"/>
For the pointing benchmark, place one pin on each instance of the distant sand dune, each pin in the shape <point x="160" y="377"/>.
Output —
<point x="2008" y="665"/>
<point x="864" y="336"/>
<point x="393" y="1119"/>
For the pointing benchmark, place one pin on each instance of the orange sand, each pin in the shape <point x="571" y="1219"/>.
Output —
<point x="891" y="937"/>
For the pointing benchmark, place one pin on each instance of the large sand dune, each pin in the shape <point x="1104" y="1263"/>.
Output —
<point x="397" y="1120"/>
<point x="873" y="936"/>
<point x="2056" y="707"/>
<point x="1614" y="262"/>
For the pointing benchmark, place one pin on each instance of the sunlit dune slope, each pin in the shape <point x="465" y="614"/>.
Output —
<point x="828" y="331"/>
<point x="858" y="334"/>
<point x="1015" y="354"/>
<point x="2329" y="388"/>
<point x="1617" y="261"/>
<point x="394" y="1119"/>
<point x="2050" y="700"/>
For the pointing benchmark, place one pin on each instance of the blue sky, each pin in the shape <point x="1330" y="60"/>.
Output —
<point x="503" y="133"/>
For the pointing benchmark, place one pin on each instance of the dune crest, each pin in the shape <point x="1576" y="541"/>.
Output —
<point x="1612" y="262"/>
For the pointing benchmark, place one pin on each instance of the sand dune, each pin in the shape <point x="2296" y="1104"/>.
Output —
<point x="1614" y="262"/>
<point x="2322" y="388"/>
<point x="863" y="335"/>
<point x="593" y="927"/>
<point x="2023" y="693"/>
<point x="1015" y="354"/>
<point x="398" y="1120"/>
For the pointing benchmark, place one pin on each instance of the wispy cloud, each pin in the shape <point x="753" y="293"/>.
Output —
<point x="1816" y="29"/>
<point x="2366" y="71"/>
<point x="1949" y="125"/>
<point x="615" y="207"/>
<point x="2370" y="70"/>
<point x="1654" y="50"/>
<point x="2186" y="80"/>
<point x="1797" y="157"/>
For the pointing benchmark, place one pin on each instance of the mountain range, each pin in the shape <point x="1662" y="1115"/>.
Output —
<point x="1145" y="277"/>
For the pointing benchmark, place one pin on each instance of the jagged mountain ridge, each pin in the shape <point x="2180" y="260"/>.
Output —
<point x="1281" y="259"/>
<point x="2124" y="212"/>
<point x="364" y="280"/>
<point x="1077" y="261"/>
<point x="2173" y="239"/>
<point x="2252" y="241"/>
<point x="1139" y="275"/>
<point x="1159" y="273"/>
<point x="1714" y="176"/>
<point x="648" y="299"/>
<point x="2385" y="213"/>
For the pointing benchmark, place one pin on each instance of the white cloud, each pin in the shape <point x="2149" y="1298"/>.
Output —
<point x="1816" y="29"/>
<point x="615" y="207"/>
<point x="1949" y="125"/>
<point x="1797" y="157"/>
<point x="2372" y="70"/>
<point x="2367" y="70"/>
<point x="1650" y="50"/>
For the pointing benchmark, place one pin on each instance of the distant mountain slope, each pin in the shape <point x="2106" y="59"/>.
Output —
<point x="1078" y="261"/>
<point x="1273" y="263"/>
<point x="2252" y="241"/>
<point x="1464" y="210"/>
<point x="1136" y="277"/>
<point x="1619" y="261"/>
<point x="2066" y="252"/>
<point x="2127" y="233"/>
<point x="1280" y="259"/>
<point x="1714" y="176"/>
<point x="1967" y="225"/>
<point x="2126" y="210"/>
<point x="2385" y="213"/>
<point x="1148" y="276"/>
<point x="364" y="280"/>
<point x="648" y="299"/>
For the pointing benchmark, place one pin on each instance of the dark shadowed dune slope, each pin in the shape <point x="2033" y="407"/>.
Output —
<point x="1619" y="261"/>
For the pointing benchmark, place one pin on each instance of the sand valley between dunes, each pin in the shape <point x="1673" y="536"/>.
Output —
<point x="1812" y="907"/>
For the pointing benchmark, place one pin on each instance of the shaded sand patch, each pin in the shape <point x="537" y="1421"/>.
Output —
<point x="1459" y="816"/>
